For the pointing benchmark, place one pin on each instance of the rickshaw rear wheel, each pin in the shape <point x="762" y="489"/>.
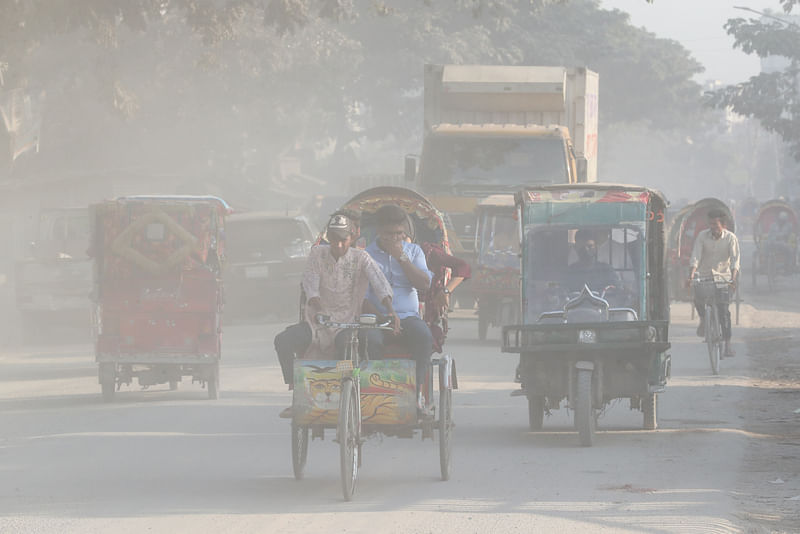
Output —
<point x="535" y="412"/>
<point x="348" y="439"/>
<point x="649" y="409"/>
<point x="772" y="271"/>
<point x="584" y="413"/>
<point x="300" y="437"/>
<point x="213" y="381"/>
<point x="445" y="431"/>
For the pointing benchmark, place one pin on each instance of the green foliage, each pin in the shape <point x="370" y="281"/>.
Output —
<point x="771" y="97"/>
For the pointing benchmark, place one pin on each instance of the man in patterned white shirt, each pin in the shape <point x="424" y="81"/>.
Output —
<point x="335" y="284"/>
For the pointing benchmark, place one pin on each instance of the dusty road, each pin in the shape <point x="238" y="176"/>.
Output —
<point x="725" y="458"/>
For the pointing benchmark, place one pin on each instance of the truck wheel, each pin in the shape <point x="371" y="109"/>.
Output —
<point x="535" y="412"/>
<point x="649" y="405"/>
<point x="584" y="411"/>
<point x="213" y="381"/>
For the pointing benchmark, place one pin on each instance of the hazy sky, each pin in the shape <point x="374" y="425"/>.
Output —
<point x="697" y="24"/>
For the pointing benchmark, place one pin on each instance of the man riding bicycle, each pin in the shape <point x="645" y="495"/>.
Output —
<point x="334" y="284"/>
<point x="716" y="255"/>
<point x="405" y="267"/>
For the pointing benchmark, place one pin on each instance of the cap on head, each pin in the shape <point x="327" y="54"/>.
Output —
<point x="340" y="226"/>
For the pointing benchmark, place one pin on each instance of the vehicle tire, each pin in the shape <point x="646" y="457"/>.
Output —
<point x="108" y="381"/>
<point x="535" y="412"/>
<point x="300" y="437"/>
<point x="712" y="339"/>
<point x="649" y="409"/>
<point x="483" y="322"/>
<point x="772" y="271"/>
<point x="213" y="382"/>
<point x="347" y="432"/>
<point x="445" y="432"/>
<point x="584" y="411"/>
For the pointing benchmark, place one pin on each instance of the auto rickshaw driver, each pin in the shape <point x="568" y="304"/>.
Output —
<point x="588" y="270"/>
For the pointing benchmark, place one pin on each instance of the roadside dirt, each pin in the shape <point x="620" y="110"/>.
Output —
<point x="769" y="485"/>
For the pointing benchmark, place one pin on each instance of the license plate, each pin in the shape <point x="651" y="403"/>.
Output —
<point x="260" y="271"/>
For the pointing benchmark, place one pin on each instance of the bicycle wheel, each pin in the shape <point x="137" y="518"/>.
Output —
<point x="348" y="432"/>
<point x="712" y="340"/>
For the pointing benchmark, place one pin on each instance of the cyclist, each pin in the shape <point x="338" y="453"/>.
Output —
<point x="716" y="254"/>
<point x="334" y="283"/>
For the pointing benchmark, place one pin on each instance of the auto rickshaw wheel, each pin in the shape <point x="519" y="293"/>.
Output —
<point x="300" y="438"/>
<point x="535" y="412"/>
<point x="649" y="408"/>
<point x="213" y="381"/>
<point x="108" y="381"/>
<point x="584" y="412"/>
<point x="483" y="322"/>
<point x="445" y="431"/>
<point x="347" y="432"/>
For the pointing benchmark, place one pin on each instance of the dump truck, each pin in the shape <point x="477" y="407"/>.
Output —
<point x="491" y="129"/>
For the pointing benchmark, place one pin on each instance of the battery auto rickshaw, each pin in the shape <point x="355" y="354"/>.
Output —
<point x="158" y="290"/>
<point x="776" y="250"/>
<point x="595" y="301"/>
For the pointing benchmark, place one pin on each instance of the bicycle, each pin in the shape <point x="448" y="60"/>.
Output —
<point x="712" y="292"/>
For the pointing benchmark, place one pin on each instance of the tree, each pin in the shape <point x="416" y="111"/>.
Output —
<point x="771" y="97"/>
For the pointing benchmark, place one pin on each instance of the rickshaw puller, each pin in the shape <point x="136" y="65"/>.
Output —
<point x="716" y="254"/>
<point x="335" y="283"/>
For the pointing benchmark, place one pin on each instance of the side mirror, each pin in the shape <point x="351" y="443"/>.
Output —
<point x="410" y="169"/>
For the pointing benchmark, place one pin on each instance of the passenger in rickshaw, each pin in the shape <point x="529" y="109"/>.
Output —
<point x="335" y="284"/>
<point x="587" y="270"/>
<point x="779" y="238"/>
<point x="716" y="254"/>
<point x="406" y="269"/>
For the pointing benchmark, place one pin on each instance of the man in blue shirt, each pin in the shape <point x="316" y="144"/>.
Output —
<point x="405" y="268"/>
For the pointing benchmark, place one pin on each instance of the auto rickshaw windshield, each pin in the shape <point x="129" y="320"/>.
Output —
<point x="499" y="241"/>
<point x="560" y="259"/>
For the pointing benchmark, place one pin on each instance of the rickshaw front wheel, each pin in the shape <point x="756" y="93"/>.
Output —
<point x="348" y="434"/>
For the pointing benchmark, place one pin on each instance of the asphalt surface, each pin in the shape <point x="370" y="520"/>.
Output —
<point x="172" y="461"/>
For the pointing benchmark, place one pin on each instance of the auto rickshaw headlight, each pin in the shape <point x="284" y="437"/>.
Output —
<point x="587" y="336"/>
<point x="652" y="334"/>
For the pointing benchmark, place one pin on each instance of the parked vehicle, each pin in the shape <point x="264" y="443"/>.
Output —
<point x="595" y="303"/>
<point x="774" y="256"/>
<point x="158" y="290"/>
<point x="496" y="279"/>
<point x="266" y="254"/>
<point x="53" y="282"/>
<point x="327" y="391"/>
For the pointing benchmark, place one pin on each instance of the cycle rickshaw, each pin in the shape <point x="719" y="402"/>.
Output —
<point x="496" y="280"/>
<point x="358" y="397"/>
<point x="774" y="255"/>
<point x="584" y="338"/>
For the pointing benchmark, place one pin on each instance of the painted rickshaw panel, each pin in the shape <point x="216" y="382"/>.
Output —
<point x="387" y="392"/>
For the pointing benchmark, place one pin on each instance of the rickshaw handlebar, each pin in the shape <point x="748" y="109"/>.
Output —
<point x="367" y="322"/>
